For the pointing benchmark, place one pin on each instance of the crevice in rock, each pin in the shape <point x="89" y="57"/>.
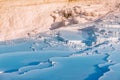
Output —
<point x="100" y="70"/>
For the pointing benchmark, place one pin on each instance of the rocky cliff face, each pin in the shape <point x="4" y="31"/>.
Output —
<point x="18" y="18"/>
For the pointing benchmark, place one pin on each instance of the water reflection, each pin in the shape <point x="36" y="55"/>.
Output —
<point x="89" y="34"/>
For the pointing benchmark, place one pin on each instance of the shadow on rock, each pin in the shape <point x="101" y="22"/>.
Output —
<point x="57" y="25"/>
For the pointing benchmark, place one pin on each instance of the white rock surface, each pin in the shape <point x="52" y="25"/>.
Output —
<point x="20" y="17"/>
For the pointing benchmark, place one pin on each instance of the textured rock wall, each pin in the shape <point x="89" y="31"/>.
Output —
<point x="20" y="17"/>
<point x="17" y="18"/>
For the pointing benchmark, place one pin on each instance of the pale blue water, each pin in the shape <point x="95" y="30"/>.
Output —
<point x="60" y="57"/>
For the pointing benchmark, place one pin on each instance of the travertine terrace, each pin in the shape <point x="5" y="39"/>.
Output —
<point x="20" y="17"/>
